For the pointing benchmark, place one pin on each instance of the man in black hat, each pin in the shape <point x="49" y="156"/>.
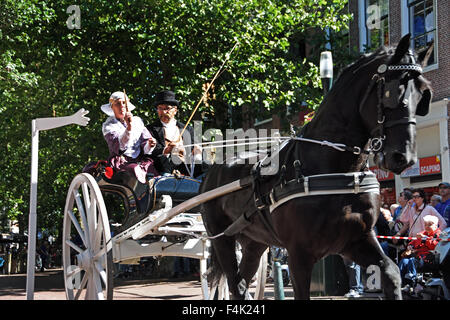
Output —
<point x="169" y="150"/>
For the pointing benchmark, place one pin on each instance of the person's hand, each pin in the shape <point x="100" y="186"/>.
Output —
<point x="407" y="253"/>
<point x="169" y="147"/>
<point x="196" y="150"/>
<point x="128" y="120"/>
<point x="419" y="235"/>
<point x="178" y="151"/>
<point x="151" y="142"/>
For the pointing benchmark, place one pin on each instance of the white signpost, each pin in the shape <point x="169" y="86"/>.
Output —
<point x="37" y="125"/>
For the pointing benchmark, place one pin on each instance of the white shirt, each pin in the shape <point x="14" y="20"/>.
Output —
<point x="409" y="216"/>
<point x="130" y="141"/>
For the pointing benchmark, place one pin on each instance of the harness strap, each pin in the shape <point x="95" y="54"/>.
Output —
<point x="325" y="184"/>
<point x="262" y="202"/>
<point x="239" y="224"/>
<point x="401" y="121"/>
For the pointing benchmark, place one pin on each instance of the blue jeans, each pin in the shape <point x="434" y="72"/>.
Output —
<point x="354" y="276"/>
<point x="408" y="269"/>
<point x="385" y="246"/>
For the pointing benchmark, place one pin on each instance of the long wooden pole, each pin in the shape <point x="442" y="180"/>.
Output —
<point x="207" y="89"/>
<point x="126" y="100"/>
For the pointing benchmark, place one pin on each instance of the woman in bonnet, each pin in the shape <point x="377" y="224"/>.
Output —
<point x="130" y="143"/>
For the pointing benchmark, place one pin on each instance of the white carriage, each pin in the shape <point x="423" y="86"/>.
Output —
<point x="165" y="226"/>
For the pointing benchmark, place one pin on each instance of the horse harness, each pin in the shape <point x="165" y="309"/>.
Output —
<point x="387" y="99"/>
<point x="299" y="186"/>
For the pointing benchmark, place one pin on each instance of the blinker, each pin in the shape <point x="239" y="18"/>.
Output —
<point x="390" y="98"/>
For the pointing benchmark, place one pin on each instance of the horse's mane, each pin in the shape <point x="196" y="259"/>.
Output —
<point x="349" y="74"/>
<point x="364" y="60"/>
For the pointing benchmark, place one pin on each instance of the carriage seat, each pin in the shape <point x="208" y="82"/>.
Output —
<point x="180" y="188"/>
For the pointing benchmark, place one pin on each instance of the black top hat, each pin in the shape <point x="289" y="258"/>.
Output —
<point x="166" y="97"/>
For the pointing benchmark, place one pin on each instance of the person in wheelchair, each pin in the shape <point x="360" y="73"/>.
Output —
<point x="419" y="252"/>
<point x="129" y="142"/>
<point x="169" y="153"/>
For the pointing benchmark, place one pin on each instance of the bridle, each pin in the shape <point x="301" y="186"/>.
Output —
<point x="387" y="98"/>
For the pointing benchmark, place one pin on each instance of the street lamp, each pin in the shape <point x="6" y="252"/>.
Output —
<point x="326" y="70"/>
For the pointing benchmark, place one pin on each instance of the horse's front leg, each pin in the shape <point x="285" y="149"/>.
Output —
<point x="368" y="252"/>
<point x="225" y="249"/>
<point x="300" y="267"/>
<point x="251" y="254"/>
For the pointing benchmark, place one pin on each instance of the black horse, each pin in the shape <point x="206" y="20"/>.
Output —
<point x="372" y="104"/>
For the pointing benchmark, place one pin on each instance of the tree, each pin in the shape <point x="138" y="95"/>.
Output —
<point x="49" y="69"/>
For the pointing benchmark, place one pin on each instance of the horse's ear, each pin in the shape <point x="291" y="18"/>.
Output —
<point x="402" y="48"/>
<point x="424" y="55"/>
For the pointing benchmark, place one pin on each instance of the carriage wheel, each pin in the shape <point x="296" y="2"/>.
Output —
<point x="87" y="254"/>
<point x="220" y="291"/>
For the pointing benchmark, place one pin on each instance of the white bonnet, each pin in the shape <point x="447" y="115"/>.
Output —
<point x="106" y="108"/>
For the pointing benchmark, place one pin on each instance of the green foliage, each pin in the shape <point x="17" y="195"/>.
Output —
<point x="143" y="46"/>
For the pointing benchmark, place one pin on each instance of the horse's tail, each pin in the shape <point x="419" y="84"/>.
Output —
<point x="215" y="270"/>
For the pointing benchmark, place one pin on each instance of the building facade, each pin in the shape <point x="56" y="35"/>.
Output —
<point x="384" y="22"/>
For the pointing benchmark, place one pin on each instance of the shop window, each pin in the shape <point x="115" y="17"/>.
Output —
<point x="422" y="25"/>
<point x="377" y="23"/>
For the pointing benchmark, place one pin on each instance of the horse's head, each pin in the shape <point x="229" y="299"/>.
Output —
<point x="397" y="93"/>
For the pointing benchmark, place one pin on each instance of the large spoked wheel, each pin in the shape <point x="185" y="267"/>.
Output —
<point x="87" y="254"/>
<point x="220" y="290"/>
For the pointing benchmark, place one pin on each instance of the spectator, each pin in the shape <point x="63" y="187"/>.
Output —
<point x="354" y="279"/>
<point x="444" y="192"/>
<point x="412" y="217"/>
<point x="2" y="264"/>
<point x="418" y="252"/>
<point x="393" y="208"/>
<point x="43" y="252"/>
<point x="446" y="215"/>
<point x="383" y="227"/>
<point x="435" y="200"/>
<point x="404" y="198"/>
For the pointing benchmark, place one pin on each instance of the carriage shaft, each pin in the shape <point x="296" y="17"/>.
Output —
<point x="162" y="219"/>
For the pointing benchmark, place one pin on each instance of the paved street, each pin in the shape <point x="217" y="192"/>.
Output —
<point x="49" y="286"/>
